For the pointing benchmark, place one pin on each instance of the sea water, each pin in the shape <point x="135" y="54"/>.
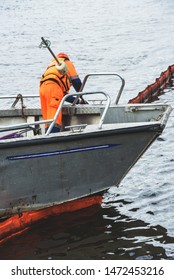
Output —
<point x="135" y="40"/>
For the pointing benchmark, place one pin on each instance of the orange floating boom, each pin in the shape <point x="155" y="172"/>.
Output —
<point x="15" y="225"/>
<point x="151" y="92"/>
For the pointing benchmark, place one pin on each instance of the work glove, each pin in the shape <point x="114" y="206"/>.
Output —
<point x="82" y="101"/>
<point x="79" y="100"/>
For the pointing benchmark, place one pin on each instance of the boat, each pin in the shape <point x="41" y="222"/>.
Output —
<point x="98" y="144"/>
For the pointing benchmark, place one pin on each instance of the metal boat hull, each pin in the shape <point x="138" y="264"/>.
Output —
<point x="97" y="146"/>
<point x="38" y="173"/>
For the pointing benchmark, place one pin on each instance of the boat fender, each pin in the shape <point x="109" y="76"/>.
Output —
<point x="62" y="68"/>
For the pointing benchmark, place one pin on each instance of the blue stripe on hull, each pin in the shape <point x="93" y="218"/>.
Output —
<point x="62" y="152"/>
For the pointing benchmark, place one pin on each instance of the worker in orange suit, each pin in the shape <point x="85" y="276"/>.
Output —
<point x="54" y="84"/>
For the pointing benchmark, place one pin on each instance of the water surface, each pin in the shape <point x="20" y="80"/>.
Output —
<point x="134" y="39"/>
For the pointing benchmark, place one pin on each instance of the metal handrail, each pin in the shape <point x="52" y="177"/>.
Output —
<point x="52" y="121"/>
<point x="82" y="87"/>
<point x="108" y="101"/>
<point x="15" y="96"/>
<point x="22" y="125"/>
<point x="106" y="74"/>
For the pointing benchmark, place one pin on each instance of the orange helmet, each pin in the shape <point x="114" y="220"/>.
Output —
<point x="63" y="55"/>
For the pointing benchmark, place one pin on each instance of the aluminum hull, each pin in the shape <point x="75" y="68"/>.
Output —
<point x="40" y="173"/>
<point x="45" y="170"/>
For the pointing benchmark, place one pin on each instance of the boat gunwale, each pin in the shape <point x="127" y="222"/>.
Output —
<point x="71" y="136"/>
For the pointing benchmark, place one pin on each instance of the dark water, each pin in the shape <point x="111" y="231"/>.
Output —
<point x="132" y="38"/>
<point x="92" y="233"/>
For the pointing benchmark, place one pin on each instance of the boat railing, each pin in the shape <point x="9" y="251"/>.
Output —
<point x="105" y="74"/>
<point x="53" y="121"/>
<point x="108" y="101"/>
<point x="18" y="98"/>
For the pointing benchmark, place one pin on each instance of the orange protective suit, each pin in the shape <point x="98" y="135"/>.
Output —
<point x="53" y="87"/>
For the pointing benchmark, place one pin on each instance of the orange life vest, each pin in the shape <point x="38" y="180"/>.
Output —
<point x="64" y="81"/>
<point x="52" y="74"/>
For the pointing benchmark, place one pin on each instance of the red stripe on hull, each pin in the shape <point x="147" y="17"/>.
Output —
<point x="15" y="225"/>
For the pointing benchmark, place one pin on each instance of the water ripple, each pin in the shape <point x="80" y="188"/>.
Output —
<point x="132" y="38"/>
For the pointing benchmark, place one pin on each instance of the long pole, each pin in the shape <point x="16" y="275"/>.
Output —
<point x="46" y="44"/>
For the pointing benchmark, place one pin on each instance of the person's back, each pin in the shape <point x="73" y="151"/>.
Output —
<point x="54" y="84"/>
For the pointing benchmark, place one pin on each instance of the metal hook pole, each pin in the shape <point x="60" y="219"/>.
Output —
<point x="45" y="43"/>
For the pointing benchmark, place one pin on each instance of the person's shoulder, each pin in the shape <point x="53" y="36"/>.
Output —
<point x="71" y="67"/>
<point x="70" y="62"/>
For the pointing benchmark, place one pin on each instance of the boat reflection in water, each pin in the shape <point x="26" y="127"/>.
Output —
<point x="90" y="233"/>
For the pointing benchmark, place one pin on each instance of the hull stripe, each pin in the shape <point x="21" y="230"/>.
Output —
<point x="62" y="152"/>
